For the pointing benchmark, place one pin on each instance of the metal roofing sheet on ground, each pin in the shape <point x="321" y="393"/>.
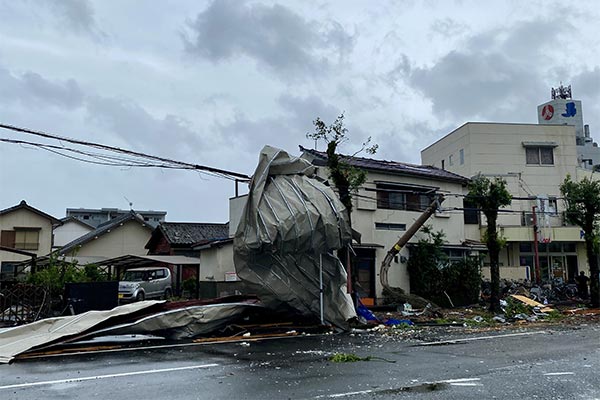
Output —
<point x="17" y="340"/>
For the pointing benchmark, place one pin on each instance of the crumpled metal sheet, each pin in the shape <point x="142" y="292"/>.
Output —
<point x="183" y="323"/>
<point x="15" y="341"/>
<point x="290" y="222"/>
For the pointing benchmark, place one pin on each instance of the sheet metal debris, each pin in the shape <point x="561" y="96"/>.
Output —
<point x="290" y="228"/>
<point x="17" y="340"/>
<point x="183" y="323"/>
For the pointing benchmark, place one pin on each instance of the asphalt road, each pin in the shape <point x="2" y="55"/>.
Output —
<point x="545" y="363"/>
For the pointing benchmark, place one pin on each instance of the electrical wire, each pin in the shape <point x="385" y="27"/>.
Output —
<point x="127" y="158"/>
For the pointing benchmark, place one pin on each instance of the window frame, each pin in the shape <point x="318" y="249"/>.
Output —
<point x="539" y="153"/>
<point x="403" y="197"/>
<point x="30" y="238"/>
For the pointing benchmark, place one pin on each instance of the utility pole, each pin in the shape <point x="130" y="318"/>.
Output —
<point x="538" y="275"/>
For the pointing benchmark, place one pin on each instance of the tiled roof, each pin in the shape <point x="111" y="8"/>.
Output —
<point x="77" y="221"/>
<point x="107" y="227"/>
<point x="24" y="205"/>
<point x="193" y="233"/>
<point x="393" y="167"/>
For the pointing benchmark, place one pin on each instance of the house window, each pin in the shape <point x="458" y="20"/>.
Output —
<point x="389" y="227"/>
<point x="7" y="239"/>
<point x="539" y="155"/>
<point x="395" y="197"/>
<point x="461" y="156"/>
<point x="27" y="239"/>
<point x="450" y="160"/>
<point x="470" y="213"/>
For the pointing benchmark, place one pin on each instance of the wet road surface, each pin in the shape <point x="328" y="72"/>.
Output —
<point x="547" y="363"/>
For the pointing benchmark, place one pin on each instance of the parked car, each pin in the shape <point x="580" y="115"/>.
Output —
<point x="140" y="284"/>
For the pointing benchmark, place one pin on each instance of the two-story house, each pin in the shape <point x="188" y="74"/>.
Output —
<point x="394" y="195"/>
<point x="25" y="233"/>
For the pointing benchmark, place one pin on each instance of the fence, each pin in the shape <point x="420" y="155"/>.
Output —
<point x="22" y="303"/>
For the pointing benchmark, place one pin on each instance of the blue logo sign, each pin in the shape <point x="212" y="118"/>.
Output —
<point x="570" y="110"/>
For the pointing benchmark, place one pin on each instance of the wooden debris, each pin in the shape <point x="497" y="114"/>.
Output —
<point x="530" y="302"/>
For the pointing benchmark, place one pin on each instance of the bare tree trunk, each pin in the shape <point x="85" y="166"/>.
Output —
<point x="593" y="262"/>
<point x="494" y="249"/>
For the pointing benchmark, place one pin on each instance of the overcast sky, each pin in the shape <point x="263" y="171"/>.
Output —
<point x="212" y="82"/>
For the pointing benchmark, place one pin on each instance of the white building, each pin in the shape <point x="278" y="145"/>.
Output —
<point x="534" y="160"/>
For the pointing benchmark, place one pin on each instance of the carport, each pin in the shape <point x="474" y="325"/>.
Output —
<point x="175" y="263"/>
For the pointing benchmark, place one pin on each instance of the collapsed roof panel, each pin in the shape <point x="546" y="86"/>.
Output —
<point x="290" y="228"/>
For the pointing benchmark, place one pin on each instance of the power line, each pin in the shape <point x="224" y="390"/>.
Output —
<point x="160" y="162"/>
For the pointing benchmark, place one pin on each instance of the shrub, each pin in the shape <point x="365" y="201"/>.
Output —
<point x="432" y="276"/>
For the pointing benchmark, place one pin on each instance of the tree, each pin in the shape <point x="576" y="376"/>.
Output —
<point x="582" y="201"/>
<point x="346" y="178"/>
<point x="434" y="277"/>
<point x="489" y="195"/>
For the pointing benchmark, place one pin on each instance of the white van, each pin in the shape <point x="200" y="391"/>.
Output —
<point x="139" y="284"/>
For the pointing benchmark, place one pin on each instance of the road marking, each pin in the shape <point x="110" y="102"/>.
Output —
<point x="452" y="382"/>
<point x="332" y="396"/>
<point x="559" y="373"/>
<point x="455" y="341"/>
<point x="91" y="378"/>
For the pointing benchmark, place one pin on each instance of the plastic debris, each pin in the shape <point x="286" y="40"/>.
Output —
<point x="393" y="322"/>
<point x="499" y="318"/>
<point x="364" y="312"/>
<point x="478" y="318"/>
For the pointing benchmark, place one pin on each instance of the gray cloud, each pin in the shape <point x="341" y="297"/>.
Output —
<point x="31" y="89"/>
<point x="586" y="83"/>
<point x="502" y="68"/>
<point x="286" y="130"/>
<point x="140" y="129"/>
<point x="448" y="27"/>
<point x="77" y="15"/>
<point x="275" y="36"/>
<point x="304" y="110"/>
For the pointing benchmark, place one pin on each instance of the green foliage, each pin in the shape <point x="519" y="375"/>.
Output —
<point x="425" y="266"/>
<point x="346" y="178"/>
<point x="515" y="307"/>
<point x="54" y="277"/>
<point x="554" y="315"/>
<point x="189" y="285"/>
<point x="60" y="272"/>
<point x="582" y="201"/>
<point x="345" y="357"/>
<point x="462" y="281"/>
<point x="501" y="240"/>
<point x="488" y="195"/>
<point x="431" y="274"/>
